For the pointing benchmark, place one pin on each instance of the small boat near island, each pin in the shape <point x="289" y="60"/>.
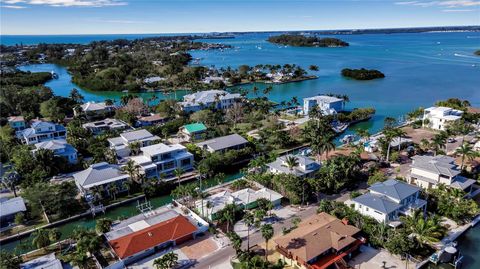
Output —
<point x="347" y="139"/>
<point x="54" y="75"/>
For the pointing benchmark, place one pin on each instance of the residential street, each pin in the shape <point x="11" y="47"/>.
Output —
<point x="221" y="258"/>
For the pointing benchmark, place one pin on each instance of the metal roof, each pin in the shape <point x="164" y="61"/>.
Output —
<point x="377" y="202"/>
<point x="223" y="142"/>
<point x="394" y="189"/>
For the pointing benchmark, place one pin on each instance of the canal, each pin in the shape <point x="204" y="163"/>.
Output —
<point x="24" y="245"/>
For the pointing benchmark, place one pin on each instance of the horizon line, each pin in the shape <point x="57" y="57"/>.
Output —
<point x="239" y="32"/>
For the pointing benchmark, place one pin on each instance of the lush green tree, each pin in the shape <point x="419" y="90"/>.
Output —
<point x="291" y="162"/>
<point x="267" y="234"/>
<point x="467" y="152"/>
<point x="103" y="225"/>
<point x="41" y="238"/>
<point x="425" y="230"/>
<point x="9" y="261"/>
<point x="167" y="261"/>
<point x="378" y="176"/>
<point x="54" y="235"/>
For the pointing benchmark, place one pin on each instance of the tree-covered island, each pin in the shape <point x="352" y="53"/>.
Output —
<point x="477" y="52"/>
<point x="161" y="63"/>
<point x="307" y="41"/>
<point x="362" y="73"/>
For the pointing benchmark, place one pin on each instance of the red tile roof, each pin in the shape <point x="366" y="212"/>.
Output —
<point x="170" y="230"/>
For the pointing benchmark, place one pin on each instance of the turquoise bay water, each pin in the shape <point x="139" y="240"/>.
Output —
<point x="420" y="69"/>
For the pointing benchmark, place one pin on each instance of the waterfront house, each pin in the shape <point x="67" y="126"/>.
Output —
<point x="48" y="261"/>
<point x="216" y="99"/>
<point x="246" y="198"/>
<point x="121" y="143"/>
<point x="160" y="159"/>
<point x="438" y="117"/>
<point x="319" y="241"/>
<point x="153" y="119"/>
<point x="106" y="125"/>
<point x="17" y="123"/>
<point x="150" y="232"/>
<point x="306" y="166"/>
<point x="211" y="79"/>
<point x="60" y="148"/>
<point x="94" y="110"/>
<point x="9" y="209"/>
<point x="224" y="143"/>
<point x="99" y="176"/>
<point x="430" y="171"/>
<point x="193" y="131"/>
<point x="386" y="201"/>
<point x="41" y="131"/>
<point x="328" y="105"/>
<point x="154" y="79"/>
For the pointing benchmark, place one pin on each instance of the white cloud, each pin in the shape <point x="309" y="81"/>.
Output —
<point x="458" y="10"/>
<point x="68" y="3"/>
<point x="444" y="3"/>
<point x="13" y="7"/>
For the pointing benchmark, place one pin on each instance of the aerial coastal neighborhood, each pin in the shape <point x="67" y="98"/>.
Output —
<point x="153" y="157"/>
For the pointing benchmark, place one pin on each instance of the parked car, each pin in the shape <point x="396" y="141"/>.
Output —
<point x="451" y="140"/>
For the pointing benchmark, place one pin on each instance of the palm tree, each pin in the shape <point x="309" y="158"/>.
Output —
<point x="399" y="133"/>
<point x="291" y="162"/>
<point x="228" y="215"/>
<point x="167" y="261"/>
<point x="424" y="230"/>
<point x="134" y="148"/>
<point x="113" y="190"/>
<point x="79" y="259"/>
<point x="249" y="220"/>
<point x="327" y="145"/>
<point x="438" y="142"/>
<point x="389" y="135"/>
<point x="178" y="173"/>
<point x="466" y="150"/>
<point x="132" y="169"/>
<point x="267" y="234"/>
<point x="41" y="238"/>
<point x="127" y="185"/>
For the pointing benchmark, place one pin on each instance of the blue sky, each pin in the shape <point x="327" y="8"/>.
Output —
<point x="188" y="16"/>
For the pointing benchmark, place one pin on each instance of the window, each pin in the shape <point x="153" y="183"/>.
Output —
<point x="185" y="162"/>
<point x="169" y="165"/>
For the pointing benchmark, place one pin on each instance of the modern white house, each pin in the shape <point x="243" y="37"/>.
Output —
<point x="439" y="117"/>
<point x="60" y="148"/>
<point x="246" y="198"/>
<point x="212" y="98"/>
<point x="99" y="175"/>
<point x="306" y="166"/>
<point x="386" y="201"/>
<point x="328" y="105"/>
<point x="101" y="126"/>
<point x="160" y="159"/>
<point x="41" y="131"/>
<point x="223" y="143"/>
<point x="430" y="171"/>
<point x="94" y="110"/>
<point x="121" y="144"/>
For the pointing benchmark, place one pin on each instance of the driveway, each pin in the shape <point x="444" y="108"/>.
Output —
<point x="374" y="258"/>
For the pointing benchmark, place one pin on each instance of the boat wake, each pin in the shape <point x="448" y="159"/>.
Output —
<point x="464" y="56"/>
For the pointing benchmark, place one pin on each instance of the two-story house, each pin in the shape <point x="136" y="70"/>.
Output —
<point x="439" y="117"/>
<point x="386" y="201"/>
<point x="161" y="159"/>
<point x="430" y="171"/>
<point x="60" y="148"/>
<point x="204" y="99"/>
<point x="41" y="131"/>
<point x="121" y="144"/>
<point x="328" y="105"/>
<point x="306" y="166"/>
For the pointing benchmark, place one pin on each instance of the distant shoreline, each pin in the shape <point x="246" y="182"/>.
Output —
<point x="217" y="35"/>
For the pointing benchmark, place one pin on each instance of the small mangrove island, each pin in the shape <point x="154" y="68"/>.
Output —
<point x="362" y="73"/>
<point x="307" y="41"/>
<point x="477" y="52"/>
